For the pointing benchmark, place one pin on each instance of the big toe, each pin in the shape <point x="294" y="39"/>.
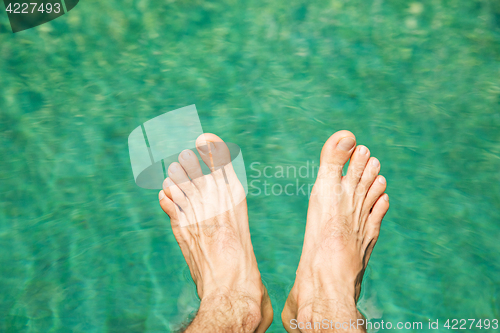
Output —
<point x="336" y="152"/>
<point x="213" y="151"/>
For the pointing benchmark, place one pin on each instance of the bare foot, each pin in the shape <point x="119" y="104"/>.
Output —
<point x="209" y="219"/>
<point x="343" y="224"/>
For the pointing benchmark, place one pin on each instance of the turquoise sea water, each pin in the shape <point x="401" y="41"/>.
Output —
<point x="83" y="249"/>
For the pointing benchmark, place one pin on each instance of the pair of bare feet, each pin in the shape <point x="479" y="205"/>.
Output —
<point x="210" y="222"/>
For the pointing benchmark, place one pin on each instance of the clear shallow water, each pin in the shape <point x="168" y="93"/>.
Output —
<point x="83" y="249"/>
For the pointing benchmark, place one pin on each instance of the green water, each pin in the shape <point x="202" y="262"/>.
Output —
<point x="83" y="249"/>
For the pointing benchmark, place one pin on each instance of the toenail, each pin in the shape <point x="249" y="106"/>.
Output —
<point x="386" y="197"/>
<point x="167" y="183"/>
<point x="185" y="154"/>
<point x="204" y="148"/>
<point x="346" y="144"/>
<point x="362" y="150"/>
<point x="161" y="195"/>
<point x="375" y="162"/>
<point x="381" y="179"/>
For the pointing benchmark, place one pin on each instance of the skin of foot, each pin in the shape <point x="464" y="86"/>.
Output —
<point x="209" y="219"/>
<point x="343" y="224"/>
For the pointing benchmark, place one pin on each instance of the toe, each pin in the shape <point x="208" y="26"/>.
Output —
<point x="376" y="190"/>
<point x="184" y="212"/>
<point x="190" y="164"/>
<point x="167" y="205"/>
<point x="374" y="221"/>
<point x="368" y="177"/>
<point x="335" y="154"/>
<point x="356" y="167"/>
<point x="217" y="156"/>
<point x="177" y="174"/>
<point x="174" y="193"/>
<point x="213" y="151"/>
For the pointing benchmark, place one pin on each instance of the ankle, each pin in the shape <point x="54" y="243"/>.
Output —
<point x="326" y="291"/>
<point x="234" y="310"/>
<point x="322" y="311"/>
